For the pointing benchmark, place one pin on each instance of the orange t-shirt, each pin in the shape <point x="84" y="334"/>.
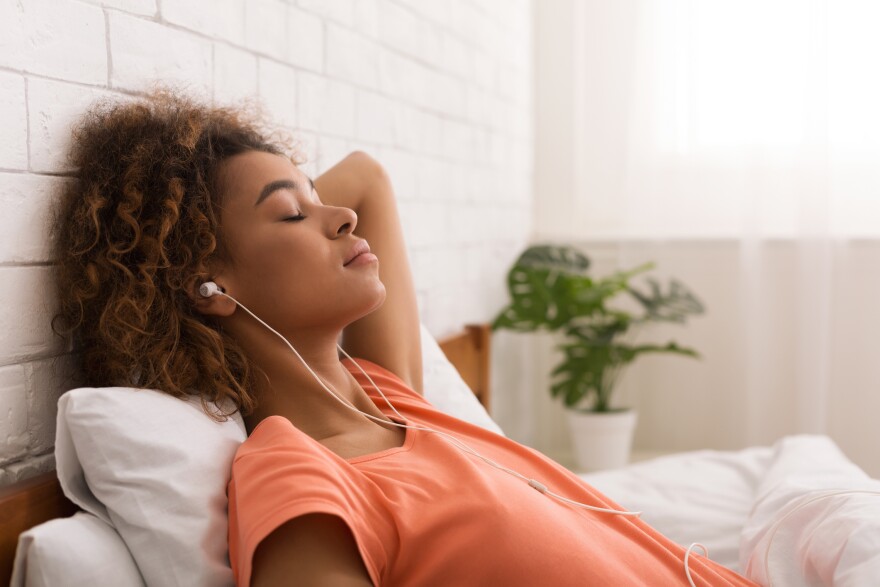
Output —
<point x="428" y="514"/>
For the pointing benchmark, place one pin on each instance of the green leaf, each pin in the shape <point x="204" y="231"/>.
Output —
<point x="544" y="291"/>
<point x="670" y="347"/>
<point x="674" y="306"/>
<point x="562" y="258"/>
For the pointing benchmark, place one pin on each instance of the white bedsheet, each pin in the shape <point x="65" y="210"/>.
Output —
<point x="703" y="496"/>
<point x="735" y="503"/>
<point x="815" y="520"/>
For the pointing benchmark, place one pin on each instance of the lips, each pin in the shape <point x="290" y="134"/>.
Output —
<point x="359" y="248"/>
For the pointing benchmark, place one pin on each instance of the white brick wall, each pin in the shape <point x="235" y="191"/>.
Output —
<point x="52" y="107"/>
<point x="26" y="202"/>
<point x="438" y="90"/>
<point x="13" y="122"/>
<point x="277" y="83"/>
<point x="236" y="73"/>
<point x="13" y="415"/>
<point x="326" y="105"/>
<point x="142" y="50"/>
<point x="63" y="40"/>
<point x="220" y="19"/>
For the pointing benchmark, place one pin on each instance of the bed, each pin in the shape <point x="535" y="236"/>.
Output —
<point x="795" y="513"/>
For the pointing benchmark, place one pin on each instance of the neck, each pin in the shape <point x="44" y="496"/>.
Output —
<point x="285" y="387"/>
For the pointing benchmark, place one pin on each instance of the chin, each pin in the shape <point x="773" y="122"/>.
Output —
<point x="375" y="301"/>
<point x="379" y="299"/>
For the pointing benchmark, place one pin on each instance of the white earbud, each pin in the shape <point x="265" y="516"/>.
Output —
<point x="208" y="289"/>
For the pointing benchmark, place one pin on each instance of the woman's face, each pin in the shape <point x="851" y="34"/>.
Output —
<point x="287" y="250"/>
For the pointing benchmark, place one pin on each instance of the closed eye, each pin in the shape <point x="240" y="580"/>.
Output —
<point x="296" y="218"/>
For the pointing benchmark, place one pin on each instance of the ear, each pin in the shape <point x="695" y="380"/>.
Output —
<point x="216" y="305"/>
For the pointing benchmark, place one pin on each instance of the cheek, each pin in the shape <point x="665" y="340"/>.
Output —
<point x="257" y="251"/>
<point x="288" y="271"/>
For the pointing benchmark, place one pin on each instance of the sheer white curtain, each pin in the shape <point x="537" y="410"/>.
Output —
<point x="755" y="118"/>
<point x="752" y="127"/>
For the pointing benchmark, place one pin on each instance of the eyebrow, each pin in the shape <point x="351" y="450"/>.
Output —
<point x="279" y="184"/>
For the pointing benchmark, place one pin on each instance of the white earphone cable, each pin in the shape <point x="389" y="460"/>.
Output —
<point x="687" y="556"/>
<point x="537" y="485"/>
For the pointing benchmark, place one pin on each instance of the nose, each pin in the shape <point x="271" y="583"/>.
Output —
<point x="345" y="221"/>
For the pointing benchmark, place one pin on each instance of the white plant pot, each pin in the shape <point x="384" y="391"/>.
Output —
<point x="602" y="440"/>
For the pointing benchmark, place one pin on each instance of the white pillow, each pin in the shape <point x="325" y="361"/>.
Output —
<point x="156" y="468"/>
<point x="80" y="551"/>
<point x="445" y="388"/>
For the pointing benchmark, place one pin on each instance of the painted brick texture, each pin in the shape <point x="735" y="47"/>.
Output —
<point x="439" y="91"/>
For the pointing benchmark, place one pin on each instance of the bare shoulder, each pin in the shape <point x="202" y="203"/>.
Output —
<point x="314" y="549"/>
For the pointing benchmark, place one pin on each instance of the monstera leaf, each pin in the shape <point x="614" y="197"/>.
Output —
<point x="601" y="329"/>
<point x="589" y="370"/>
<point x="581" y="374"/>
<point x="549" y="289"/>
<point x="562" y="258"/>
<point x="543" y="286"/>
<point x="674" y="306"/>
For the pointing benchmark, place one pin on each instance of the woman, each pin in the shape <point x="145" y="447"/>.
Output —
<point x="171" y="194"/>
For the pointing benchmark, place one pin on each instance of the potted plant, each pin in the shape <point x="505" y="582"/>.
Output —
<point x="550" y="290"/>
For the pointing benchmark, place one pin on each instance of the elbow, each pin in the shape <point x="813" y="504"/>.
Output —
<point x="374" y="171"/>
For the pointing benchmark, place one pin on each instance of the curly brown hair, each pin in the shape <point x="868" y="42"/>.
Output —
<point x="135" y="231"/>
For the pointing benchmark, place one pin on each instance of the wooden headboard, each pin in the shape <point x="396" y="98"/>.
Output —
<point x="39" y="499"/>
<point x="469" y="352"/>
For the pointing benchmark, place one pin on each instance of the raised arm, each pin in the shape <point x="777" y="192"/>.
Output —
<point x="389" y="336"/>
